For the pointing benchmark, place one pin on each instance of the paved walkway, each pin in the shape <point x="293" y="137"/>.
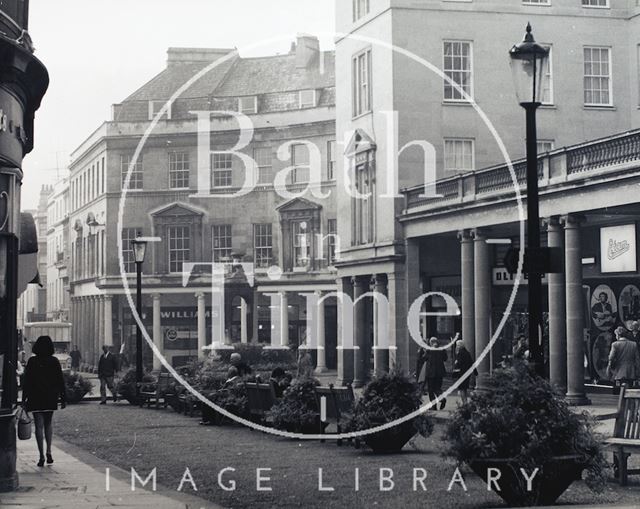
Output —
<point x="77" y="480"/>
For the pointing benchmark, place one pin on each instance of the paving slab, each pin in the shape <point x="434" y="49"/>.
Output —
<point x="77" y="479"/>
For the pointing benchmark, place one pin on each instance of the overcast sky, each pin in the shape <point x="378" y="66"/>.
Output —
<point x="97" y="52"/>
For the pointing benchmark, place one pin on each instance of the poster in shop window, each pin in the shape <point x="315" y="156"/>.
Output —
<point x="614" y="302"/>
<point x="618" y="248"/>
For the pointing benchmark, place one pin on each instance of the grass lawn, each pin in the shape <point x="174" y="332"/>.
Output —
<point x="141" y="438"/>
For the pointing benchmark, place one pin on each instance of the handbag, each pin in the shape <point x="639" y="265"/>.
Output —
<point x="24" y="424"/>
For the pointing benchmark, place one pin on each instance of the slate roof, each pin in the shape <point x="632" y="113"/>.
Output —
<point x="165" y="84"/>
<point x="264" y="75"/>
<point x="238" y="77"/>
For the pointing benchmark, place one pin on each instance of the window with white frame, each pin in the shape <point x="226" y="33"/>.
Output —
<point x="301" y="240"/>
<point x="300" y="163"/>
<point x="221" y="165"/>
<point x="458" y="154"/>
<point x="179" y="247"/>
<point x="361" y="80"/>
<point x="331" y="160"/>
<point x="262" y="245"/>
<point x="156" y="106"/>
<point x="547" y="90"/>
<point x="221" y="234"/>
<point x="595" y="3"/>
<point x="135" y="180"/>
<point x="332" y="237"/>
<point x="360" y="9"/>
<point x="128" y="257"/>
<point x="307" y="98"/>
<point x="248" y="104"/>
<point x="457" y="66"/>
<point x="263" y="157"/>
<point x="179" y="166"/>
<point x="545" y="146"/>
<point x="597" y="76"/>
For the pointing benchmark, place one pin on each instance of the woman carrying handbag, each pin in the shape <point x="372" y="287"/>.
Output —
<point x="43" y="388"/>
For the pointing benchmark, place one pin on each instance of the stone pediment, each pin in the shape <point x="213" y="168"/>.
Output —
<point x="360" y="142"/>
<point x="177" y="210"/>
<point x="298" y="204"/>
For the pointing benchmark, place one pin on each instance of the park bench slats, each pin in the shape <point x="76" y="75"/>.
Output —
<point x="626" y="432"/>
<point x="157" y="396"/>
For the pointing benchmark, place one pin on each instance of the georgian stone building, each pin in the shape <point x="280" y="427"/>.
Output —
<point x="593" y="93"/>
<point x="192" y="203"/>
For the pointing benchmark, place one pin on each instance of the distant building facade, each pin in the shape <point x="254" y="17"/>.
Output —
<point x="593" y="93"/>
<point x="290" y="100"/>
<point x="32" y="304"/>
<point x="58" y="252"/>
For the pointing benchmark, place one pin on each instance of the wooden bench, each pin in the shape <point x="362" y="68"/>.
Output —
<point x="158" y="395"/>
<point x="339" y="405"/>
<point x="626" y="433"/>
<point x="260" y="399"/>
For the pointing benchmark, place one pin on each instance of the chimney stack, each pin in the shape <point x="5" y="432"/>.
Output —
<point x="307" y="51"/>
<point x="195" y="55"/>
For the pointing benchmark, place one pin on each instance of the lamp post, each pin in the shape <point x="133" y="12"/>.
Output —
<point x="139" y="250"/>
<point x="528" y="66"/>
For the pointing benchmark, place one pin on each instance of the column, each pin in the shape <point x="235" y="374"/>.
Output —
<point x="100" y="321"/>
<point x="575" y="302"/>
<point x="482" y="304"/>
<point x="244" y="338"/>
<point x="409" y="289"/>
<point x="95" y="329"/>
<point x="73" y="320"/>
<point x="557" y="312"/>
<point x="467" y="291"/>
<point x="202" y="325"/>
<point x="157" y="332"/>
<point x="345" y="332"/>
<point x="321" y="364"/>
<point x="360" y="361"/>
<point x="380" y="354"/>
<point x="254" y="318"/>
<point x="108" y="320"/>
<point x="284" y="320"/>
<point x="84" y="350"/>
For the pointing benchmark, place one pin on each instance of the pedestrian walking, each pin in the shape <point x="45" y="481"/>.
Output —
<point x="433" y="371"/>
<point x="107" y="368"/>
<point x="43" y="388"/>
<point x="634" y="333"/>
<point x="461" y="367"/>
<point x="624" y="360"/>
<point x="75" y="358"/>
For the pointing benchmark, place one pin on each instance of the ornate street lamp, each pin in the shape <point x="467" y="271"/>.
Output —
<point x="528" y="65"/>
<point x="139" y="250"/>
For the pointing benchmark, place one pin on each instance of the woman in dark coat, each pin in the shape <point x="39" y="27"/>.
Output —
<point x="43" y="387"/>
<point x="462" y="364"/>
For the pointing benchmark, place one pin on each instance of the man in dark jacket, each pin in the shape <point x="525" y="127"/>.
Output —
<point x="107" y="367"/>
<point x="433" y="371"/>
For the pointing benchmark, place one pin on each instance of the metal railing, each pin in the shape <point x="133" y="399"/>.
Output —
<point x="612" y="154"/>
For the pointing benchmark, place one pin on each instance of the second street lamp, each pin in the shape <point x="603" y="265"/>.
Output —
<point x="529" y="62"/>
<point x="139" y="250"/>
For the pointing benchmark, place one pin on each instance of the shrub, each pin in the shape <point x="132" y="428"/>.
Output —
<point x="233" y="399"/>
<point x="127" y="385"/>
<point x="297" y="411"/>
<point x="386" y="399"/>
<point x="522" y="418"/>
<point x="76" y="387"/>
